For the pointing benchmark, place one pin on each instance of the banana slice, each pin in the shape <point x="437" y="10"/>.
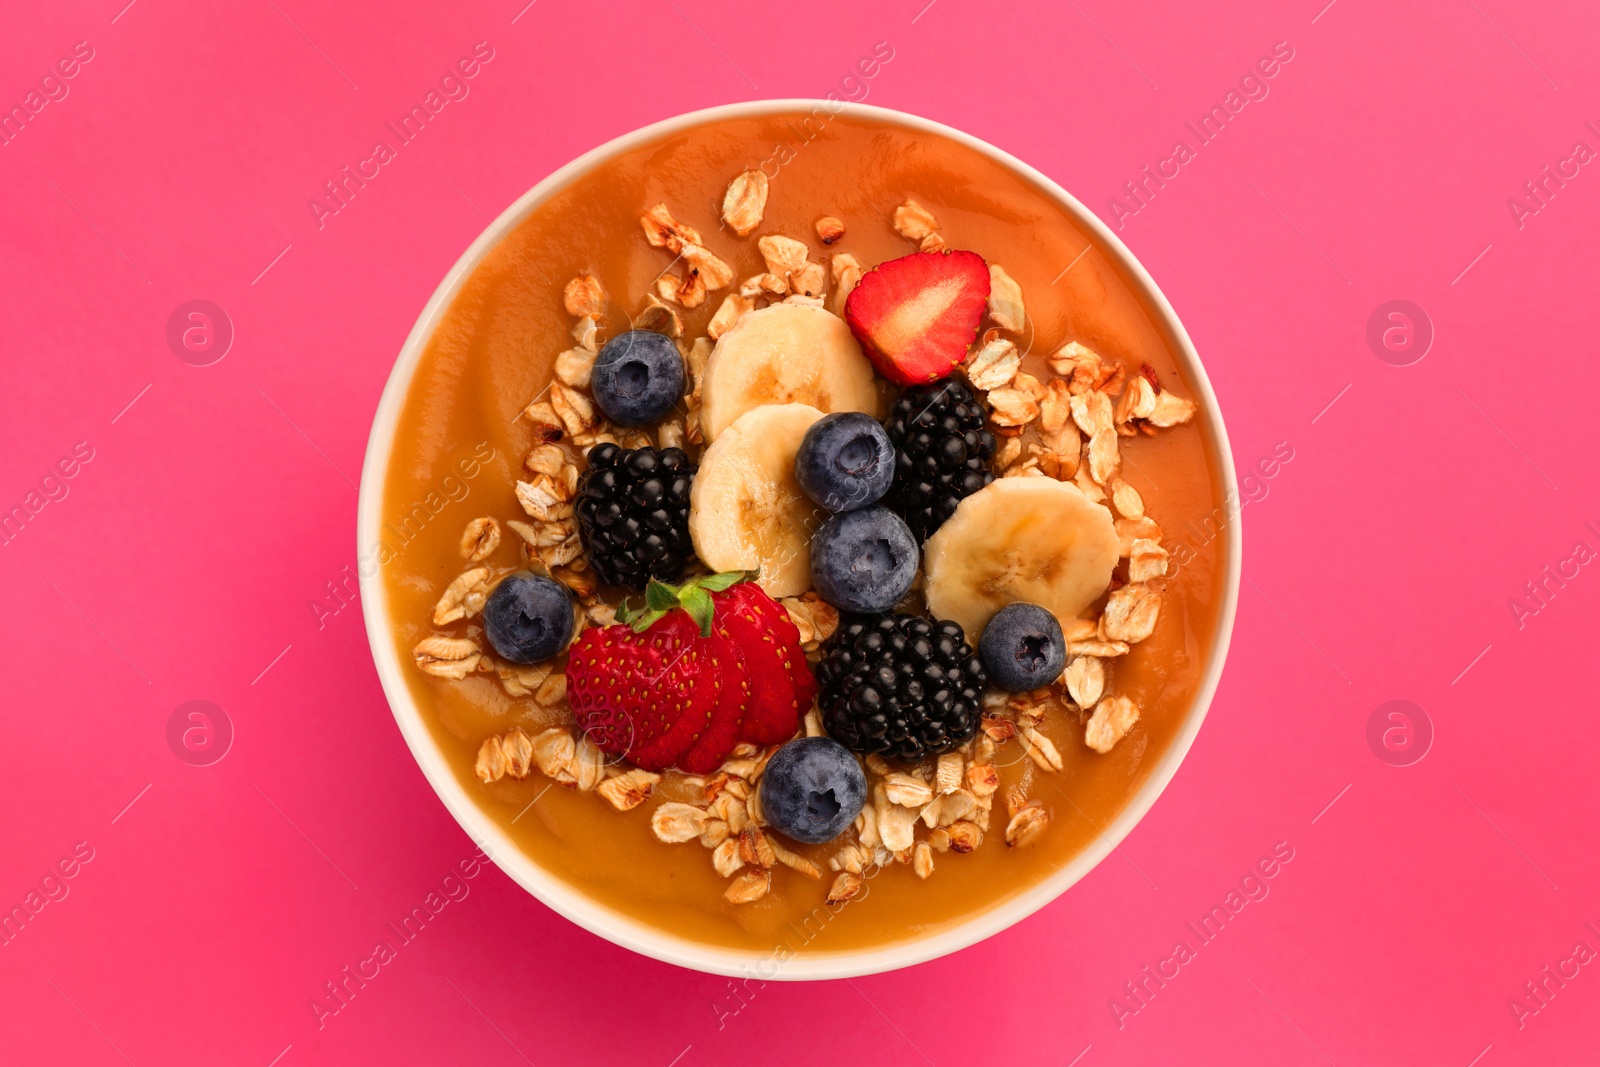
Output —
<point x="746" y="511"/>
<point x="786" y="354"/>
<point x="1035" y="540"/>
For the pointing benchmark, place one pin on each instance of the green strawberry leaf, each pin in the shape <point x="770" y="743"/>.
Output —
<point x="697" y="602"/>
<point x="626" y="612"/>
<point x="659" y="596"/>
<point x="644" y="620"/>
<point x="693" y="596"/>
<point x="716" y="583"/>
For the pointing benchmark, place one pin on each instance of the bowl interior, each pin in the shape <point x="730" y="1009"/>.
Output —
<point x="621" y="928"/>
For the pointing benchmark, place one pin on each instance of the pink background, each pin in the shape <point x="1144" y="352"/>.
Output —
<point x="185" y="558"/>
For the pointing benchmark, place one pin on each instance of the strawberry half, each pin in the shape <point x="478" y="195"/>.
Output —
<point x="781" y="685"/>
<point x="916" y="316"/>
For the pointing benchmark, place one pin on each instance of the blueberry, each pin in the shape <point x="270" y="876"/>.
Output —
<point x="528" y="617"/>
<point x="864" y="561"/>
<point x="812" y="789"/>
<point x="638" y="377"/>
<point x="846" y="461"/>
<point x="1023" y="648"/>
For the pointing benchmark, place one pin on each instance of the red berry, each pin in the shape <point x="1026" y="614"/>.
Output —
<point x="648" y="695"/>
<point x="916" y="316"/>
<point x="781" y="685"/>
<point x="692" y="675"/>
<point x="602" y="688"/>
<point x="713" y="747"/>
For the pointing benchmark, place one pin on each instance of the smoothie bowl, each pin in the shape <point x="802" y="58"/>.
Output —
<point x="802" y="540"/>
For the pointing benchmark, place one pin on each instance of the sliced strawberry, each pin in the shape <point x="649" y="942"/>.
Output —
<point x="787" y="636"/>
<point x="684" y="693"/>
<point x="714" y="746"/>
<point x="916" y="316"/>
<point x="699" y="668"/>
<point x="603" y="687"/>
<point x="781" y="685"/>
<point x="648" y="695"/>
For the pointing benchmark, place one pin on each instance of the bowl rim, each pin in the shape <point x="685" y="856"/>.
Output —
<point x="571" y="902"/>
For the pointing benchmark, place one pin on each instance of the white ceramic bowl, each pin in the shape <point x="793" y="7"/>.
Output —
<point x="620" y="928"/>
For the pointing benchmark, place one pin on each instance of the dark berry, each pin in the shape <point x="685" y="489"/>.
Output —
<point x="864" y="561"/>
<point x="528" y="617"/>
<point x="638" y="377"/>
<point x="812" y="789"/>
<point x="846" y="461"/>
<point x="1023" y="648"/>
<point x="900" y="685"/>
<point x="942" y="453"/>
<point x="633" y="514"/>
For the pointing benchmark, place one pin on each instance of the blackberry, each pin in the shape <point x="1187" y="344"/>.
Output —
<point x="942" y="453"/>
<point x="633" y="513"/>
<point x="900" y="685"/>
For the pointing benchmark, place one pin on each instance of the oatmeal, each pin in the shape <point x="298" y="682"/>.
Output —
<point x="689" y="650"/>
